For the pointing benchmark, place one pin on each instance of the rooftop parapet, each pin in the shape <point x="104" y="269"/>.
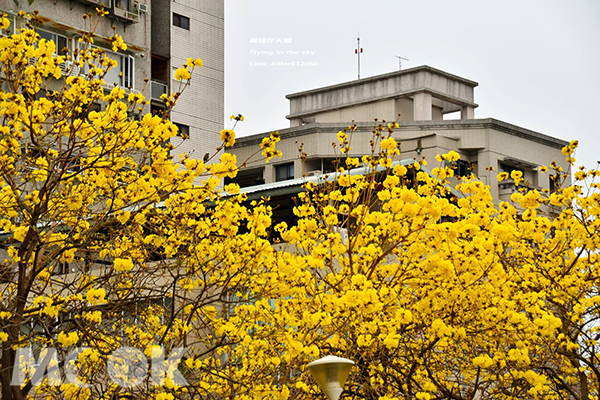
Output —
<point x="425" y="87"/>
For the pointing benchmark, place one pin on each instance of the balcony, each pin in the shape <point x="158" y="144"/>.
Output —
<point x="106" y="3"/>
<point x="124" y="10"/>
<point x="157" y="89"/>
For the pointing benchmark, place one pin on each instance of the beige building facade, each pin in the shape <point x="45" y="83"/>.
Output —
<point x="417" y="98"/>
<point x="184" y="29"/>
<point x="160" y="36"/>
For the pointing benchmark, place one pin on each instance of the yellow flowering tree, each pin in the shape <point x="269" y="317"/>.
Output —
<point x="106" y="242"/>
<point x="434" y="294"/>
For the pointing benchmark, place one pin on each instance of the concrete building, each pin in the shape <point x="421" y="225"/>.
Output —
<point x="160" y="36"/>
<point x="192" y="28"/>
<point x="418" y="98"/>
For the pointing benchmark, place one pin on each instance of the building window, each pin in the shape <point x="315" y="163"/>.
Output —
<point x="160" y="69"/>
<point x="248" y="177"/>
<point x="61" y="42"/>
<point x="158" y="109"/>
<point x="123" y="74"/>
<point x="462" y="168"/>
<point x="124" y="5"/>
<point x="181" y="21"/>
<point x="510" y="168"/>
<point x="11" y="28"/>
<point x="284" y="172"/>
<point x="183" y="131"/>
<point x="125" y="66"/>
<point x="157" y="89"/>
<point x="553" y="184"/>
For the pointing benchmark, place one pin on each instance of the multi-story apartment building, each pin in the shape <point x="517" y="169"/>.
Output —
<point x="183" y="29"/>
<point x="418" y="98"/>
<point x="160" y="36"/>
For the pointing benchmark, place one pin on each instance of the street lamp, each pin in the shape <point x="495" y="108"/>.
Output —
<point x="331" y="373"/>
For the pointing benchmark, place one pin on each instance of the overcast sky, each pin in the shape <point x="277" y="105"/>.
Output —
<point x="537" y="62"/>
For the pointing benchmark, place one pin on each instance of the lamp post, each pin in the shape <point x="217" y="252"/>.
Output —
<point x="331" y="373"/>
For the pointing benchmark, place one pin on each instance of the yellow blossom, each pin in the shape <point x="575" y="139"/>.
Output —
<point x="228" y="137"/>
<point x="123" y="264"/>
<point x="182" y="74"/>
<point x="96" y="296"/>
<point x="68" y="339"/>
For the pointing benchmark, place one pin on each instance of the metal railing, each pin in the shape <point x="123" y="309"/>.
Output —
<point x="106" y="3"/>
<point x="125" y="10"/>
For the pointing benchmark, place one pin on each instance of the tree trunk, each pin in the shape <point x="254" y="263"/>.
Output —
<point x="9" y="392"/>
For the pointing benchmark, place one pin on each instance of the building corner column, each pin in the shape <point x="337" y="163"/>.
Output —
<point x="467" y="112"/>
<point x="422" y="107"/>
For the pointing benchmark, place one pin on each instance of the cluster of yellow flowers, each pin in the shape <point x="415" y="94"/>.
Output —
<point x="434" y="293"/>
<point x="228" y="137"/>
<point x="268" y="146"/>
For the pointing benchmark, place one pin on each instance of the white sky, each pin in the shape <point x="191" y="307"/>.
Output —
<point x="537" y="62"/>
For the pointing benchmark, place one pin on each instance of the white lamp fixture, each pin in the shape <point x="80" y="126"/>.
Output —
<point x="331" y="373"/>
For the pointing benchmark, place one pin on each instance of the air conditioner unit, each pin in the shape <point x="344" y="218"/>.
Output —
<point x="65" y="67"/>
<point x="316" y="172"/>
<point x="141" y="7"/>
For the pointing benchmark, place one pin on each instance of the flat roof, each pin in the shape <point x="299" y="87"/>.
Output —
<point x="383" y="76"/>
<point x="442" y="125"/>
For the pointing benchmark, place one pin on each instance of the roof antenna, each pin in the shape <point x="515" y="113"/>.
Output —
<point x="400" y="62"/>
<point x="357" y="51"/>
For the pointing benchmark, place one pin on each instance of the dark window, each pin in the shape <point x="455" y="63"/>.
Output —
<point x="509" y="184"/>
<point x="510" y="168"/>
<point x="157" y="109"/>
<point x="124" y="5"/>
<point x="284" y="172"/>
<point x="160" y="68"/>
<point x="462" y="168"/>
<point x="96" y="107"/>
<point x="183" y="131"/>
<point x="248" y="177"/>
<point x="181" y="21"/>
<point x="553" y="184"/>
<point x="60" y="42"/>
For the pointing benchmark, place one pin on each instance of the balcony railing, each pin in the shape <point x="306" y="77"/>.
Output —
<point x="124" y="10"/>
<point x="106" y="3"/>
<point x="157" y="89"/>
